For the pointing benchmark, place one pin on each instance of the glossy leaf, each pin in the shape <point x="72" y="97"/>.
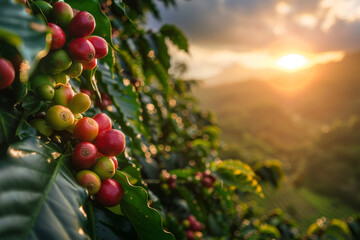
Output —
<point x="176" y="36"/>
<point x="238" y="174"/>
<point x="270" y="170"/>
<point x="9" y="121"/>
<point x="146" y="220"/>
<point x="104" y="224"/>
<point x="36" y="188"/>
<point x="123" y="97"/>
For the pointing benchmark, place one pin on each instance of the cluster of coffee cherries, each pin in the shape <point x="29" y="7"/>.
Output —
<point x="94" y="158"/>
<point x="102" y="103"/>
<point x="72" y="49"/>
<point x="207" y="180"/>
<point x="169" y="181"/>
<point x="193" y="228"/>
<point x="94" y="155"/>
<point x="97" y="144"/>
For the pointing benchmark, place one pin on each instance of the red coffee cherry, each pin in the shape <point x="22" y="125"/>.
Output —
<point x="110" y="193"/>
<point x="82" y="24"/>
<point x="110" y="142"/>
<point x="81" y="50"/>
<point x="105" y="101"/>
<point x="100" y="45"/>
<point x="190" y="235"/>
<point x="84" y="155"/>
<point x="116" y="164"/>
<point x="7" y="73"/>
<point x="207" y="182"/>
<point x="86" y="91"/>
<point x="58" y="36"/>
<point x="103" y="121"/>
<point x="86" y="129"/>
<point x="91" y="65"/>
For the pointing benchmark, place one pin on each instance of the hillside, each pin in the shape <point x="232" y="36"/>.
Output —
<point x="312" y="128"/>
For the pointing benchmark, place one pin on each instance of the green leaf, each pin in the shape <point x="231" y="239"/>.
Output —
<point x="25" y="32"/>
<point x="270" y="170"/>
<point x="146" y="220"/>
<point x="238" y="174"/>
<point x="176" y="36"/>
<point x="103" y="224"/>
<point x="9" y="120"/>
<point x="39" y="197"/>
<point x="161" y="50"/>
<point x="184" y="173"/>
<point x="124" y="98"/>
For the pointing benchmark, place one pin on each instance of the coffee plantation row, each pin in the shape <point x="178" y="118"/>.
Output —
<point x="98" y="140"/>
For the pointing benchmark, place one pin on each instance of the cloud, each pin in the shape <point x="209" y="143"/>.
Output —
<point x="243" y="25"/>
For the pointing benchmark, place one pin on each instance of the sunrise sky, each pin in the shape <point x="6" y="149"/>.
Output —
<point x="252" y="35"/>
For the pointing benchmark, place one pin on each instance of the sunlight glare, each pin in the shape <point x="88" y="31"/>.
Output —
<point x="292" y="61"/>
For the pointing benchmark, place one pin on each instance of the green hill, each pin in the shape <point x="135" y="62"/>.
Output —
<point x="314" y="130"/>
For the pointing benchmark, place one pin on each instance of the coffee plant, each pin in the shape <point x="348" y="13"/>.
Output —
<point x="99" y="141"/>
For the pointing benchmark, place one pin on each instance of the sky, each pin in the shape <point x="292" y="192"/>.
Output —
<point x="254" y="34"/>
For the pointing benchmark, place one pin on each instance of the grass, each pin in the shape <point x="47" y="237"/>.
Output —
<point x="302" y="204"/>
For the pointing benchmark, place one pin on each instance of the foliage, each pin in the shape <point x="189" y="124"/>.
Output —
<point x="168" y="137"/>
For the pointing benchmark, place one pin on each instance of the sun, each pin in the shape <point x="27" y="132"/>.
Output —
<point x="292" y="61"/>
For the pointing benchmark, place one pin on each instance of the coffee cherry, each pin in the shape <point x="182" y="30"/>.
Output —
<point x="105" y="101"/>
<point x="7" y="73"/>
<point x="110" y="193"/>
<point x="58" y="36"/>
<point x="45" y="8"/>
<point x="62" y="13"/>
<point x="116" y="164"/>
<point x="61" y="78"/>
<point x="86" y="91"/>
<point x="207" y="182"/>
<point x="196" y="226"/>
<point x="79" y="103"/>
<point x="186" y="223"/>
<point x="59" y="117"/>
<point x="89" y="180"/>
<point x="86" y="130"/>
<point x="42" y="79"/>
<point x="82" y="24"/>
<point x="74" y="70"/>
<point x="84" y="155"/>
<point x="57" y="61"/>
<point x="110" y="142"/>
<point x="42" y="126"/>
<point x="63" y="94"/>
<point x="198" y="235"/>
<point x="46" y="92"/>
<point x="172" y="181"/>
<point x="207" y="173"/>
<point x="190" y="235"/>
<point x="91" y="65"/>
<point x="81" y="50"/>
<point x="104" y="168"/>
<point x="103" y="121"/>
<point x="100" y="45"/>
